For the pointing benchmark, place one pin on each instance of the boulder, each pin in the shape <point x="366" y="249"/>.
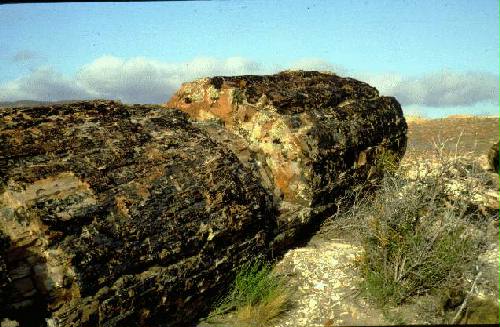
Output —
<point x="311" y="137"/>
<point x="493" y="157"/>
<point x="117" y="215"/>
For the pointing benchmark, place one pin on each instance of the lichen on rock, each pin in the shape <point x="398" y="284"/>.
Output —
<point x="309" y="136"/>
<point x="120" y="215"/>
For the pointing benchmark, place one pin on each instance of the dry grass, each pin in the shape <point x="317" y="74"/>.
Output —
<point x="260" y="314"/>
<point x="474" y="134"/>
<point x="257" y="297"/>
<point x="422" y="230"/>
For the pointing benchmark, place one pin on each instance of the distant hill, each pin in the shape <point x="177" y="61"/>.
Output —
<point x="461" y="133"/>
<point x="32" y="103"/>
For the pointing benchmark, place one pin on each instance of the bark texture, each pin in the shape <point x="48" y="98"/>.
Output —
<point x="310" y="136"/>
<point x="114" y="215"/>
<point x="118" y="215"/>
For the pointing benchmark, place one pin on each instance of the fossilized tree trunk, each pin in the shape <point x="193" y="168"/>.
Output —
<point x="114" y="215"/>
<point x="310" y="136"/>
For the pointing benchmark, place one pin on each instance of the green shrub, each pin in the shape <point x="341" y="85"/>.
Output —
<point x="402" y="260"/>
<point x="417" y="235"/>
<point x="238" y="96"/>
<point x="256" y="297"/>
<point x="387" y="161"/>
<point x="254" y="284"/>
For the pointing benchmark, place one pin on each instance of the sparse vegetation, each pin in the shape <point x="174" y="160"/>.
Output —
<point x="257" y="297"/>
<point x="387" y="161"/>
<point x="481" y="311"/>
<point x="421" y="231"/>
<point x="238" y="96"/>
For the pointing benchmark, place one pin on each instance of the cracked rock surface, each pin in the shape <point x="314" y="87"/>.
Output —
<point x="139" y="215"/>
<point x="309" y="136"/>
<point x="118" y="215"/>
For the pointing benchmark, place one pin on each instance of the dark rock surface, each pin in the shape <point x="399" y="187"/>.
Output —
<point x="310" y="136"/>
<point x="114" y="215"/>
<point x="493" y="157"/>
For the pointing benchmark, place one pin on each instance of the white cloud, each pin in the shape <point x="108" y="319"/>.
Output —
<point x="143" y="80"/>
<point x="385" y="83"/>
<point x="136" y="80"/>
<point x="441" y="89"/>
<point x="24" y="56"/>
<point x="205" y="66"/>
<point x="42" y="84"/>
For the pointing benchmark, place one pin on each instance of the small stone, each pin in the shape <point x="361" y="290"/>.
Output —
<point x="320" y="286"/>
<point x="6" y="322"/>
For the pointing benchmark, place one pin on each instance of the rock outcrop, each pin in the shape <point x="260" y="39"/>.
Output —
<point x="117" y="215"/>
<point x="114" y="215"/>
<point x="309" y="136"/>
<point x="493" y="157"/>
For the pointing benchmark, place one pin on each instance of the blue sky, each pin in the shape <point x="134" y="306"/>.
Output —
<point x="436" y="57"/>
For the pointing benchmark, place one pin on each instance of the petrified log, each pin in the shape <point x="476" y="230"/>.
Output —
<point x="115" y="215"/>
<point x="310" y="136"/>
